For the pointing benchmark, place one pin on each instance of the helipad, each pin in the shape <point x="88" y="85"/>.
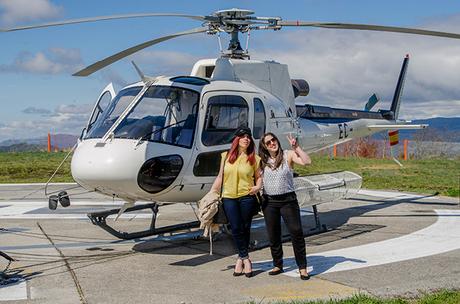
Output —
<point x="383" y="243"/>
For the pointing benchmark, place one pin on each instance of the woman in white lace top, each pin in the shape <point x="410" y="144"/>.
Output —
<point x="280" y="200"/>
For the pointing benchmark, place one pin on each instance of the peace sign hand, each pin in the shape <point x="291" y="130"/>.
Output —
<point x="292" y="141"/>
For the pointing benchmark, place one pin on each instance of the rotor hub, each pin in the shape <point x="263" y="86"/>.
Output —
<point x="234" y="13"/>
<point x="234" y="21"/>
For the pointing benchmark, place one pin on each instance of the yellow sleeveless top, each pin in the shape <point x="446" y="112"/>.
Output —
<point x="239" y="177"/>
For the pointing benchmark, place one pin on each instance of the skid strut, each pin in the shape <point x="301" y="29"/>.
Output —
<point x="3" y="276"/>
<point x="99" y="219"/>
<point x="318" y="227"/>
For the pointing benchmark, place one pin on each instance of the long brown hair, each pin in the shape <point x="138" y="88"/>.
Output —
<point x="265" y="155"/>
<point x="250" y="151"/>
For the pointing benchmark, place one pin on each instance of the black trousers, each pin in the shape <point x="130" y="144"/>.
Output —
<point x="290" y="212"/>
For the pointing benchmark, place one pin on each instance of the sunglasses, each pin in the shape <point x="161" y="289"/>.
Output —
<point x="270" y="141"/>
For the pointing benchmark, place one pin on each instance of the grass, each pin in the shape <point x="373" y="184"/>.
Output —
<point x="437" y="297"/>
<point x="422" y="176"/>
<point x="33" y="167"/>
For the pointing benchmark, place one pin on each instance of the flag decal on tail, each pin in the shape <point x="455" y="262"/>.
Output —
<point x="394" y="137"/>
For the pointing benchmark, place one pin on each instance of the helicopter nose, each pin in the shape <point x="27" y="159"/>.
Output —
<point x="111" y="168"/>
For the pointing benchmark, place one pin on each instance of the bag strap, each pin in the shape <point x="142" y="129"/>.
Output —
<point x="223" y="172"/>
<point x="257" y="195"/>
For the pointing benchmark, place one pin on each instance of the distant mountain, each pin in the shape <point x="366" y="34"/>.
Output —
<point x="31" y="141"/>
<point x="58" y="141"/>
<point x="63" y="141"/>
<point x="21" y="147"/>
<point x="442" y="123"/>
<point x="439" y="129"/>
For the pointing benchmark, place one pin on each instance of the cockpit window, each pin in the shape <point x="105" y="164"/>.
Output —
<point x="116" y="107"/>
<point x="225" y="114"/>
<point x="101" y="107"/>
<point x="164" y="114"/>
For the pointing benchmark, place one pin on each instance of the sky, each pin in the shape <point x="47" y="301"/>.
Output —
<point x="343" y="67"/>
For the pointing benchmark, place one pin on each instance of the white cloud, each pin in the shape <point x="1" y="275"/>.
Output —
<point x="73" y="109"/>
<point x="67" y="119"/>
<point x="344" y="68"/>
<point x="13" y="11"/>
<point x="62" y="55"/>
<point x="38" y="63"/>
<point x="34" y="110"/>
<point x="430" y="109"/>
<point x="51" y="61"/>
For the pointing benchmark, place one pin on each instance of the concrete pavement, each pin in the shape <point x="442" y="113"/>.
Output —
<point x="381" y="242"/>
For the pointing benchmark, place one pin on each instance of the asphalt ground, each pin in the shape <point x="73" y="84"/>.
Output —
<point x="381" y="243"/>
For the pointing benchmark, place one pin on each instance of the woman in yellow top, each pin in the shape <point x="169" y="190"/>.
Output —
<point x="239" y="171"/>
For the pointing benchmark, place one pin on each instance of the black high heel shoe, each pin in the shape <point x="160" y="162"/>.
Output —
<point x="304" y="277"/>
<point x="237" y="274"/>
<point x="250" y="273"/>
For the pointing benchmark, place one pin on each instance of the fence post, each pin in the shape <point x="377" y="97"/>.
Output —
<point x="406" y="141"/>
<point x="49" y="143"/>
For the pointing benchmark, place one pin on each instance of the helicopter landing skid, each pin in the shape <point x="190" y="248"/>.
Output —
<point x="99" y="219"/>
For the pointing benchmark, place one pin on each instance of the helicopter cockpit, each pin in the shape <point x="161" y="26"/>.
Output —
<point x="104" y="117"/>
<point x="163" y="114"/>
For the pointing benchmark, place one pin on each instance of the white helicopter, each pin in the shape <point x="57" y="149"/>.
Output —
<point x="160" y="139"/>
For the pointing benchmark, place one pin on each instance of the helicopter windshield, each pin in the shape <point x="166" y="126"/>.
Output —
<point x="114" y="110"/>
<point x="163" y="114"/>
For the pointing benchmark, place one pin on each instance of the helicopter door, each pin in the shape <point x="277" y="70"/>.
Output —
<point x="221" y="114"/>
<point x="100" y="106"/>
<point x="281" y="119"/>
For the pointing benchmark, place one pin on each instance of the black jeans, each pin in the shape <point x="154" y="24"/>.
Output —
<point x="239" y="212"/>
<point x="290" y="212"/>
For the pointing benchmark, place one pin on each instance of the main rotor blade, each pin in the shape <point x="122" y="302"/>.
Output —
<point x="100" y="18"/>
<point x="370" y="27"/>
<point x="109" y="60"/>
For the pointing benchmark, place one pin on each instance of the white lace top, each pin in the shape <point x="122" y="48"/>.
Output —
<point x="280" y="180"/>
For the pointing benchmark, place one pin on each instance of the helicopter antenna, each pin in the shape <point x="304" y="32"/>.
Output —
<point x="138" y="71"/>
<point x="144" y="78"/>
